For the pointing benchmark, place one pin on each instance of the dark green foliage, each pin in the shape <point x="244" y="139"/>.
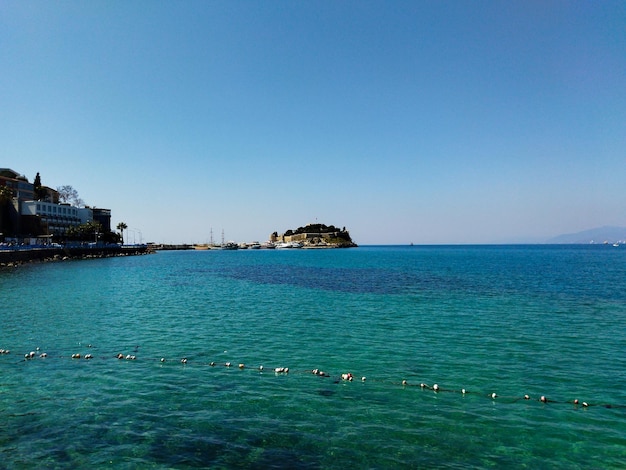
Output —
<point x="5" y="223"/>
<point x="40" y="192"/>
<point x="84" y="232"/>
<point x="121" y="227"/>
<point x="5" y="194"/>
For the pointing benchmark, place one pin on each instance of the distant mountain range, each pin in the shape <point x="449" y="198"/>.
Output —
<point x="594" y="235"/>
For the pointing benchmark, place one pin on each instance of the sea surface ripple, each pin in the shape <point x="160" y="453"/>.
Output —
<point x="504" y="320"/>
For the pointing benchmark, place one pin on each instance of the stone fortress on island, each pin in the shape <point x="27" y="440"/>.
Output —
<point x="309" y="236"/>
<point x="314" y="236"/>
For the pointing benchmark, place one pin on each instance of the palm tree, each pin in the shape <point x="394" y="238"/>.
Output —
<point x="121" y="227"/>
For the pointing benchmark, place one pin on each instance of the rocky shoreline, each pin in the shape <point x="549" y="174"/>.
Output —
<point x="17" y="257"/>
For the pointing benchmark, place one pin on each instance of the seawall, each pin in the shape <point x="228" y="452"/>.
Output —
<point x="27" y="255"/>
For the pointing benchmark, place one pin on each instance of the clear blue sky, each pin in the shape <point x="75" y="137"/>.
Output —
<point x="407" y="121"/>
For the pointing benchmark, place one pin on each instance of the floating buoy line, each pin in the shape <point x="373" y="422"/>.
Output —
<point x="342" y="377"/>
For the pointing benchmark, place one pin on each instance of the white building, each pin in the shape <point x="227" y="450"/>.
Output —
<point x="57" y="218"/>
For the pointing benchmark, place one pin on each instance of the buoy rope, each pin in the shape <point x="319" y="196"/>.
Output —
<point x="337" y="378"/>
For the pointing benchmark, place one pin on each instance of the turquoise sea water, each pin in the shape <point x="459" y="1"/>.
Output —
<point x="510" y="320"/>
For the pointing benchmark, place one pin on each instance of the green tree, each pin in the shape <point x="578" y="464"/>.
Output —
<point x="40" y="192"/>
<point x="110" y="237"/>
<point x="121" y="227"/>
<point x="5" y="196"/>
<point x="86" y="232"/>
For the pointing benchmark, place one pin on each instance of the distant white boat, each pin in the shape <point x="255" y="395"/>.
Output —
<point x="288" y="245"/>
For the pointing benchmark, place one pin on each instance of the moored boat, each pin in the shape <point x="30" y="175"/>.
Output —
<point x="288" y="245"/>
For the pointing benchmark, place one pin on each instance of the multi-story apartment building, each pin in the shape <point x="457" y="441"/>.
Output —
<point x="52" y="219"/>
<point x="103" y="217"/>
<point x="18" y="184"/>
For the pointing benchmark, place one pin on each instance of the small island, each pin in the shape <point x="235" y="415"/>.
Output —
<point x="313" y="236"/>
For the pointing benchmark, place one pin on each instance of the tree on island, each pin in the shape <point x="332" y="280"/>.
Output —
<point x="68" y="195"/>
<point x="121" y="227"/>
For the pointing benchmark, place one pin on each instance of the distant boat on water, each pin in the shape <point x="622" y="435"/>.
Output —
<point x="201" y="246"/>
<point x="288" y="245"/>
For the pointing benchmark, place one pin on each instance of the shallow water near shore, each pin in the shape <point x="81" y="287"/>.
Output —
<point x="510" y="320"/>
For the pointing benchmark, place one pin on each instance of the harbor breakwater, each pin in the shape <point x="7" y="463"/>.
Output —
<point x="15" y="256"/>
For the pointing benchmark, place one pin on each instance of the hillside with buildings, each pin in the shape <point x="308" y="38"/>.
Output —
<point x="31" y="213"/>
